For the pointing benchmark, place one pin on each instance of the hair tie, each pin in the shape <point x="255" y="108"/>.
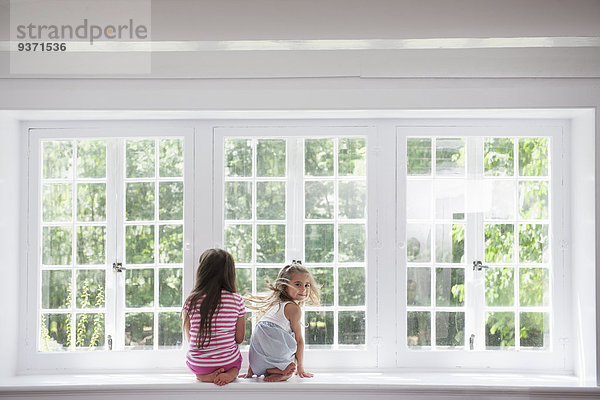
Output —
<point x="296" y="263"/>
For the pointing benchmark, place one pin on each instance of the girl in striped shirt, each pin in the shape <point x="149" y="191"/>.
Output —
<point x="214" y="320"/>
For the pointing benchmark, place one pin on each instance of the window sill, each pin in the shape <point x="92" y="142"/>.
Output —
<point x="424" y="385"/>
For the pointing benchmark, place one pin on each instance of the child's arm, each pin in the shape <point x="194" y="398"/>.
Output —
<point x="294" y="314"/>
<point x="240" y="329"/>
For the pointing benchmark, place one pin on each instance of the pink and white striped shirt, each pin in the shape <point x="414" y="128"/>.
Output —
<point x="222" y="349"/>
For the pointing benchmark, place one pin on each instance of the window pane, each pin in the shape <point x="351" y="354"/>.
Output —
<point x="263" y="275"/>
<point x="56" y="289"/>
<point x="418" y="152"/>
<point x="248" y="333"/>
<point x="238" y="200"/>
<point x="534" y="329"/>
<point x="170" y="157"/>
<point x="450" y="287"/>
<point x="352" y="157"/>
<point x="351" y="286"/>
<point x="533" y="243"/>
<point x="139" y="330"/>
<point x="170" y="287"/>
<point x="55" y="332"/>
<point x="533" y="199"/>
<point x="57" y="203"/>
<point x="500" y="330"/>
<point x="170" y="201"/>
<point x="351" y="242"/>
<point x="499" y="243"/>
<point x="352" y="199"/>
<point x="238" y="157"/>
<point x="139" y="158"/>
<point x="324" y="278"/>
<point x="499" y="286"/>
<point x="139" y="288"/>
<point x="502" y="200"/>
<point x="318" y="243"/>
<point x="450" y="243"/>
<point x="418" y="244"/>
<point x="318" y="199"/>
<point x="91" y="245"/>
<point x="319" y="327"/>
<point x="139" y="201"/>
<point x="90" y="330"/>
<point x="499" y="157"/>
<point x="351" y="327"/>
<point x="419" y="195"/>
<point x="318" y="157"/>
<point x="243" y="277"/>
<point x="270" y="157"/>
<point x="91" y="159"/>
<point x="270" y="243"/>
<point x="170" y="245"/>
<point x="238" y="241"/>
<point x="533" y="157"/>
<point x="270" y="200"/>
<point x="534" y="286"/>
<point x="56" y="245"/>
<point x="449" y="199"/>
<point x="91" y="202"/>
<point x="169" y="330"/>
<point x="139" y="244"/>
<point x="418" y="287"/>
<point x="450" y="329"/>
<point x="57" y="159"/>
<point x="450" y="156"/>
<point x="418" y="328"/>
<point x="90" y="288"/>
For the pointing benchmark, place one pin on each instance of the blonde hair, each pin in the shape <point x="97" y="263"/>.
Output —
<point x="278" y="293"/>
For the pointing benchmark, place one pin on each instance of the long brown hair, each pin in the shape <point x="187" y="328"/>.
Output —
<point x="216" y="271"/>
<point x="278" y="293"/>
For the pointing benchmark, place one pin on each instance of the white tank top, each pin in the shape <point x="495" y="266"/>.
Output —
<point x="276" y="315"/>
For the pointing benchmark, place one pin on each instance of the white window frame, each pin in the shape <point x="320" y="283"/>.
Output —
<point x="385" y="274"/>
<point x="557" y="357"/>
<point x="351" y="356"/>
<point x="31" y="359"/>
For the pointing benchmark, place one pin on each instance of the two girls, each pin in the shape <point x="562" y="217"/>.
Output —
<point x="214" y="322"/>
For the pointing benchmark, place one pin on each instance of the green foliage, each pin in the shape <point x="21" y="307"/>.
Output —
<point x="238" y="241"/>
<point x="533" y="243"/>
<point x="351" y="326"/>
<point x="319" y="199"/>
<point x="318" y="242"/>
<point x="351" y="286"/>
<point x="352" y="199"/>
<point x="533" y="157"/>
<point x="139" y="158"/>
<point x="139" y="329"/>
<point x="418" y="328"/>
<point x="450" y="328"/>
<point x="499" y="243"/>
<point x="139" y="201"/>
<point x="139" y="244"/>
<point x="318" y="157"/>
<point x="499" y="287"/>
<point x="170" y="201"/>
<point x="57" y="159"/>
<point x="500" y="330"/>
<point x="270" y="243"/>
<point x="270" y="200"/>
<point x="170" y="287"/>
<point x="238" y="157"/>
<point x="450" y="156"/>
<point x="351" y="242"/>
<point x="169" y="330"/>
<point x="418" y="156"/>
<point x="352" y="156"/>
<point x="270" y="157"/>
<point x="56" y="245"/>
<point x="91" y="202"/>
<point x="450" y="287"/>
<point x="170" y="156"/>
<point x="324" y="277"/>
<point x="139" y="288"/>
<point x="533" y="199"/>
<point x="91" y="245"/>
<point x="57" y="202"/>
<point x="238" y="200"/>
<point x="170" y="244"/>
<point x="319" y="327"/>
<point x="499" y="157"/>
<point x="91" y="159"/>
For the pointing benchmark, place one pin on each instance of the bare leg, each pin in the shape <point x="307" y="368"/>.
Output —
<point x="209" y="377"/>
<point x="225" y="377"/>
<point x="277" y="377"/>
<point x="287" y="371"/>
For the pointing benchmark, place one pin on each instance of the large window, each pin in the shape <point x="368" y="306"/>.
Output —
<point x="436" y="245"/>
<point x="301" y="198"/>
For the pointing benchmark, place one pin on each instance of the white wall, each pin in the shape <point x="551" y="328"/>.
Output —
<point x="10" y="199"/>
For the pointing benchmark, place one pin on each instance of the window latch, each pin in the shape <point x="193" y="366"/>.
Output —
<point x="109" y="340"/>
<point x="118" y="267"/>
<point x="478" y="266"/>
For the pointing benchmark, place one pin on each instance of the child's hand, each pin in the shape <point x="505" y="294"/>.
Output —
<point x="248" y="374"/>
<point x="302" y="373"/>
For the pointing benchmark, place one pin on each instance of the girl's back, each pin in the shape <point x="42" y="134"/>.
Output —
<point x="220" y="348"/>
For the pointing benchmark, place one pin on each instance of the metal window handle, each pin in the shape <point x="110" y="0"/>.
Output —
<point x="478" y="266"/>
<point x="118" y="267"/>
<point x="109" y="339"/>
<point x="472" y="342"/>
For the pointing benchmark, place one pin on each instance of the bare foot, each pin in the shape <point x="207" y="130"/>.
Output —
<point x="209" y="377"/>
<point x="277" y="377"/>
<point x="225" y="377"/>
<point x="248" y="374"/>
<point x="287" y="371"/>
